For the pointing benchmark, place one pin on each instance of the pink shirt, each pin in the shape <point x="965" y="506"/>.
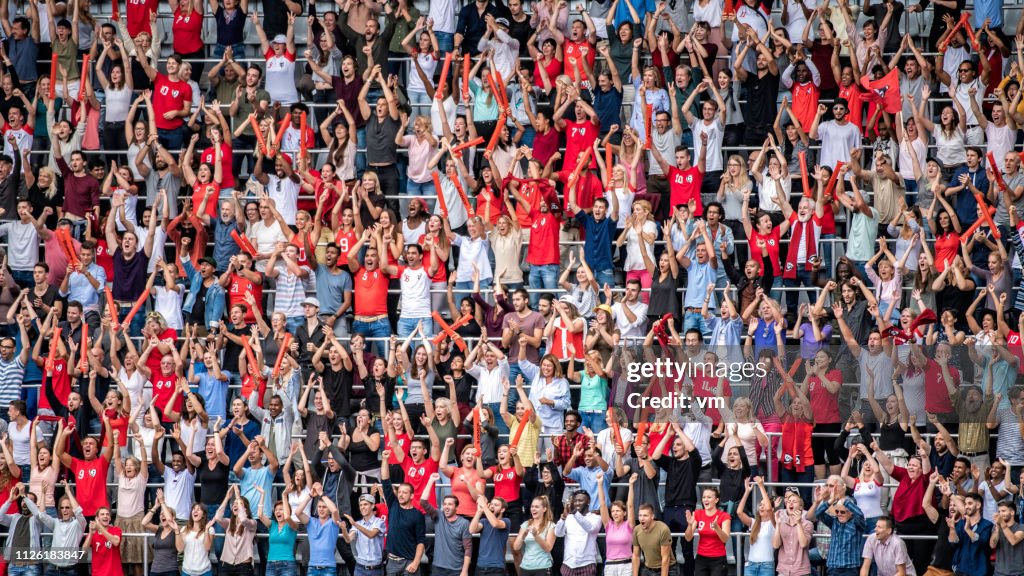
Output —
<point x="420" y="152"/>
<point x="131" y="494"/>
<point x="619" y="538"/>
<point x="793" y="558"/>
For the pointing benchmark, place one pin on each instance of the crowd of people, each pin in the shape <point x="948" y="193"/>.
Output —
<point x="371" y="298"/>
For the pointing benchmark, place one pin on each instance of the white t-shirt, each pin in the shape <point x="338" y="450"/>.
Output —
<point x="1000" y="140"/>
<point x="168" y="304"/>
<point x="159" y="239"/>
<point x="266" y="236"/>
<point x="715" y="132"/>
<point x="281" y="77"/>
<point x="285" y="194"/>
<point x="178" y="487"/>
<point x="797" y="20"/>
<point x="907" y="162"/>
<point x="22" y="138"/>
<point x="836" y="141"/>
<point x="20" y="442"/>
<point x="428" y="63"/>
<point x="443" y="13"/>
<point x="22" y="245"/>
<point x="415" y="292"/>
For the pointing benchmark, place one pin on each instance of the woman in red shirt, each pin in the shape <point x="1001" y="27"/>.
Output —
<point x="822" y="384"/>
<point x="104" y="540"/>
<point x="205" y="181"/>
<point x="797" y="463"/>
<point x="508" y="476"/>
<point x="712" y="525"/>
<point x="462" y="477"/>
<point x="946" y="228"/>
<point x="547" y="62"/>
<point x="187" y="32"/>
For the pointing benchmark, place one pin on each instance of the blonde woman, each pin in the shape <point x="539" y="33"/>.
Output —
<point x="507" y="245"/>
<point x="749" y="434"/>
<point x="735" y="183"/>
<point x="132" y="475"/>
<point x="535" y="540"/>
<point x="761" y="554"/>
<point x="422" y="145"/>
<point x="640" y="223"/>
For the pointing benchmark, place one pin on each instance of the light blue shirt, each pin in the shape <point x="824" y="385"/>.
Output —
<point x="213" y="391"/>
<point x="698" y="276"/>
<point x="322" y="538"/>
<point x="369" y="552"/>
<point x="988" y="10"/>
<point x="557" y="390"/>
<point x="587" y="479"/>
<point x="80" y="289"/>
<point x="253" y="477"/>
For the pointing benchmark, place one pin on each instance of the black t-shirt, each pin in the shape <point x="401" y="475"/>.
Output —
<point x="215" y="482"/>
<point x="762" y="98"/>
<point x="338" y="386"/>
<point x="199" y="308"/>
<point x="232" y="350"/>
<point x="681" y="486"/>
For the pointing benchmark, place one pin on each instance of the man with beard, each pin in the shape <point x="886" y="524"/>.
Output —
<point x="803" y="79"/>
<point x="407" y="527"/>
<point x="916" y="72"/>
<point x="168" y="174"/>
<point x="334" y="289"/>
<point x="682" y="468"/>
<point x="370" y="36"/>
<point x="224" y="246"/>
<point x="762" y="89"/>
<point x="90" y="471"/>
<point x="282" y="186"/>
<point x="970" y="536"/>
<point x="248" y="98"/>
<point x="130" y="267"/>
<point x="653" y="539"/>
<point x="838" y="136"/>
<point x="226" y="85"/>
<point x="580" y="525"/>
<point x="874" y="360"/>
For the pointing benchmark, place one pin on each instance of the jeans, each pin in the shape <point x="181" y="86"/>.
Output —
<point x="376" y="329"/>
<point x="420" y="103"/>
<point x="30" y="570"/>
<point x="360" y="153"/>
<point x="360" y="571"/>
<point x="294" y="322"/>
<point x="675" y="517"/>
<point x="498" y="420"/>
<point x="281" y="568"/>
<point x="604" y="277"/>
<point x="425" y="189"/>
<point x="170" y="139"/>
<point x="23" y="278"/>
<point x="237" y="49"/>
<point x="544" y="277"/>
<point x="445" y="44"/>
<point x="394" y="567"/>
<point x="695" y="320"/>
<point x="465" y="289"/>
<point x="406" y="326"/>
<point x="594" y="421"/>
<point x="759" y="569"/>
<point x="51" y="570"/>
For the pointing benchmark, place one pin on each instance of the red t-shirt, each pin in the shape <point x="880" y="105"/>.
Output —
<point x="168" y="96"/>
<point x="371" y="292"/>
<point x="772" y="241"/>
<point x="574" y="51"/>
<point x="532" y="193"/>
<point x="227" y="176"/>
<point x="587" y="190"/>
<point x="805" y="102"/>
<point x="824" y="404"/>
<point x="907" y="501"/>
<point x="417" y="476"/>
<point x="120" y="424"/>
<point x="706" y="387"/>
<point x="709" y="545"/>
<point x="91" y="483"/>
<point x="403" y="444"/>
<point x="852" y="95"/>
<point x="106" y="558"/>
<point x="497" y="206"/>
<point x="579" y="137"/>
<point x="428" y="252"/>
<point x="155" y="356"/>
<point x="163" y="388"/>
<point x="544" y="248"/>
<point x="5" y="494"/>
<point x="187" y="30"/>
<point x="138" y="15"/>
<point x="345" y="241"/>
<point x="684" y="185"/>
<point x="59" y="381"/>
<point x="936" y="396"/>
<point x="506" y="483"/>
<point x="198" y="191"/>
<point x="237" y="290"/>
<point x="1013" y="343"/>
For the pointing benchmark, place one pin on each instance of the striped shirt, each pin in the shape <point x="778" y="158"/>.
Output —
<point x="1018" y="247"/>
<point x="847" y="540"/>
<point x="291" y="291"/>
<point x="12" y="374"/>
<point x="887" y="555"/>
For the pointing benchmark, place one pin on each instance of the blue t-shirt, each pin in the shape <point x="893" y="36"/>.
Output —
<point x="322" y="538"/>
<point x="214" y="393"/>
<point x="492" y="545"/>
<point x="608" y="106"/>
<point x="233" y="445"/>
<point x="252" y="478"/>
<point x="600" y="235"/>
<point x="281" y="543"/>
<point x="587" y="478"/>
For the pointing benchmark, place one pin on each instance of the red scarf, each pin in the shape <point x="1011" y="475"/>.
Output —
<point x="805" y="232"/>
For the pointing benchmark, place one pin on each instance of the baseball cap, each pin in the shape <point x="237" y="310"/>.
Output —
<point x="501" y="22"/>
<point x="367" y="498"/>
<point x="280" y="39"/>
<point x="311" y="301"/>
<point x="207" y="260"/>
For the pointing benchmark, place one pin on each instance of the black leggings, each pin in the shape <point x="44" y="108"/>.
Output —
<point x="704" y="566"/>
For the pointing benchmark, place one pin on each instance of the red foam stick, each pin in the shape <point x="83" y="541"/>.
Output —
<point x="647" y="126"/>
<point x="84" y="77"/>
<point x="281" y="127"/>
<point x="729" y="8"/>
<point x="115" y="11"/>
<point x="302" y="135"/>
<point x="494" y="91"/>
<point x="439" y="92"/>
<point x="260" y="140"/>
<point x="476" y="430"/>
<point x="502" y="90"/>
<point x="53" y="76"/>
<point x="608" y="162"/>
<point x="523" y="422"/>
<point x="251" y="358"/>
<point x="136" y="307"/>
<point x="280" y="354"/>
<point x="465" y="77"/>
<point x="448" y="331"/>
<point x="471" y="144"/>
<point x="112" y="308"/>
<point x="53" y="349"/>
<point x="462" y="195"/>
<point x="803" y="174"/>
<point x="440" y="195"/>
<point x="974" y="227"/>
<point x="243" y="243"/>
<point x="949" y="37"/>
<point x="496" y="135"/>
<point x="995" y="171"/>
<point x="830" y="188"/>
<point x="615" y="428"/>
<point x="83" y="363"/>
<point x="641" y="432"/>
<point x="582" y="165"/>
<point x="67" y="246"/>
<point x="986" y="215"/>
<point x="970" y="32"/>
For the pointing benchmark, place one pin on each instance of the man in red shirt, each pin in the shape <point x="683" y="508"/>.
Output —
<point x="139" y="12"/>
<point x="240" y="280"/>
<point x="370" y="286"/>
<point x="172" y="100"/>
<point x="580" y="133"/>
<point x="579" y="46"/>
<point x="684" y="179"/>
<point x="417" y="466"/>
<point x="91" y="473"/>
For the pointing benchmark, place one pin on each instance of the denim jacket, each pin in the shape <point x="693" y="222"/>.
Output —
<point x="215" y="295"/>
